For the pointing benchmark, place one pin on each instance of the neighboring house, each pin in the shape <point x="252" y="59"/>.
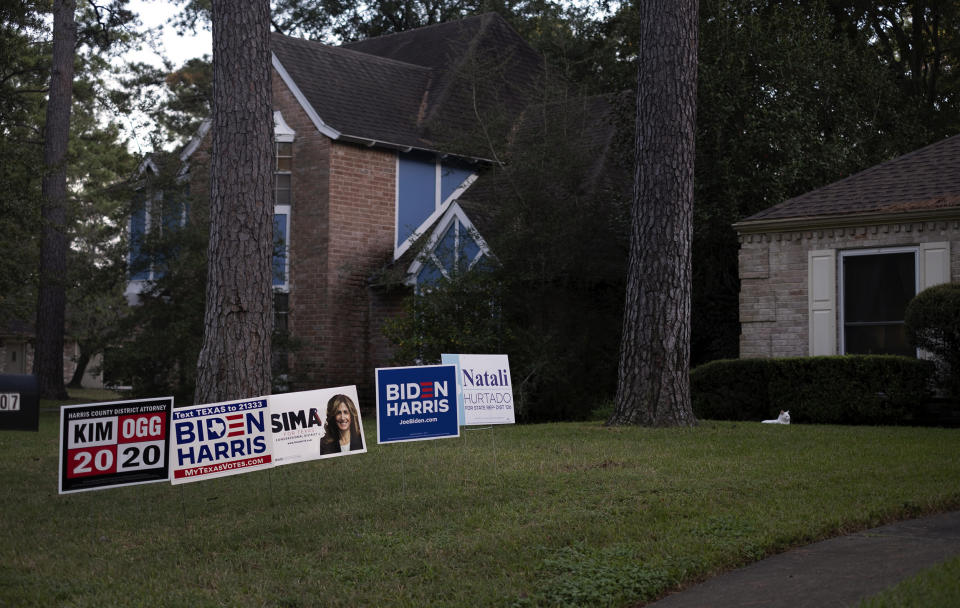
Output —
<point x="831" y="271"/>
<point x="16" y="355"/>
<point x="361" y="174"/>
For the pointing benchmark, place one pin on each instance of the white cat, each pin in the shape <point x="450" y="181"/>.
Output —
<point x="783" y="418"/>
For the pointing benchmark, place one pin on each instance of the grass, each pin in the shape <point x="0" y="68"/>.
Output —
<point x="938" y="586"/>
<point x="529" y="515"/>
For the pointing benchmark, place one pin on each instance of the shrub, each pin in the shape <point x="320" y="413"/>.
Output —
<point x="933" y="324"/>
<point x="852" y="389"/>
<point x="732" y="389"/>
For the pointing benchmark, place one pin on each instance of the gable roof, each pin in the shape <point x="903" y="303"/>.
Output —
<point x="396" y="90"/>
<point x="924" y="184"/>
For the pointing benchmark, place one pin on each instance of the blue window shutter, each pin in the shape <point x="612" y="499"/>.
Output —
<point x="416" y="192"/>
<point x="451" y="178"/>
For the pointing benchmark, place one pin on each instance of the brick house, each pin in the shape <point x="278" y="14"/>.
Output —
<point x="831" y="271"/>
<point x="361" y="174"/>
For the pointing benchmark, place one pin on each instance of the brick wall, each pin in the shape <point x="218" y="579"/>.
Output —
<point x="362" y="217"/>
<point x="308" y="241"/>
<point x="341" y="231"/>
<point x="773" y="278"/>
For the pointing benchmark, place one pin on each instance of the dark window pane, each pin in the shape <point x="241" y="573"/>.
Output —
<point x="876" y="291"/>
<point x="877" y="340"/>
<point x="877" y="288"/>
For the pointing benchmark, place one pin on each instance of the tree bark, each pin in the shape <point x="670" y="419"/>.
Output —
<point x="51" y="300"/>
<point x="234" y="361"/>
<point x="77" y="380"/>
<point x="654" y="385"/>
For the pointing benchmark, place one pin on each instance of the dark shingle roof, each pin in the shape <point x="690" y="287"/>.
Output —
<point x="927" y="179"/>
<point x="402" y="88"/>
<point x="358" y="95"/>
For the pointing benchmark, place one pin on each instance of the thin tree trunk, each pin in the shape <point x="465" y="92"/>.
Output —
<point x="654" y="386"/>
<point x="51" y="301"/>
<point x="82" y="362"/>
<point x="234" y="361"/>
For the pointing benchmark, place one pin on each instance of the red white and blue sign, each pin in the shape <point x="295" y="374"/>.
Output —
<point x="417" y="403"/>
<point x="117" y="443"/>
<point x="220" y="439"/>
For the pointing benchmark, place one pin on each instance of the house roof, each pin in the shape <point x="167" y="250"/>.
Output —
<point x="924" y="183"/>
<point x="400" y="90"/>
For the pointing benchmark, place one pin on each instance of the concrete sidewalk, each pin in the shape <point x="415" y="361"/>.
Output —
<point x="832" y="573"/>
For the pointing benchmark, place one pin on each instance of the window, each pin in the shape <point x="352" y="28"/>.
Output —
<point x="283" y="165"/>
<point x="454" y="247"/>
<point x="426" y="186"/>
<point x="282" y="201"/>
<point x="153" y="217"/>
<point x="877" y="285"/>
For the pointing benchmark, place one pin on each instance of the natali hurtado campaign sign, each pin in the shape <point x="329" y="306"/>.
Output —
<point x="485" y="392"/>
<point x="415" y="403"/>
<point x="112" y="444"/>
<point x="220" y="439"/>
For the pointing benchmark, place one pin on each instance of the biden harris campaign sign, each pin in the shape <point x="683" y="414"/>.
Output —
<point x="111" y="444"/>
<point x="485" y="392"/>
<point x="220" y="439"/>
<point x="416" y="403"/>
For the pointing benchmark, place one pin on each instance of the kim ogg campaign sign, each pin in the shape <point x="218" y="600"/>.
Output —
<point x="416" y="403"/>
<point x="116" y="443"/>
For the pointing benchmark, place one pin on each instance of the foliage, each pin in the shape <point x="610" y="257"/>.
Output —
<point x="852" y="389"/>
<point x="96" y="158"/>
<point x="918" y="41"/>
<point x="932" y="320"/>
<point x="529" y="514"/>
<point x="785" y="105"/>
<point x="162" y="332"/>
<point x="175" y="101"/>
<point x="559" y="244"/>
<point x="459" y="315"/>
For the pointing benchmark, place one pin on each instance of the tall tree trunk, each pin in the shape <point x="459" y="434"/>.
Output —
<point x="234" y="361"/>
<point x="51" y="301"/>
<point x="654" y="384"/>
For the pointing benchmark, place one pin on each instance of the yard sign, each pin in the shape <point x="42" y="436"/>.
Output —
<point x="115" y="443"/>
<point x="416" y="403"/>
<point x="484" y="389"/>
<point x="297" y="423"/>
<point x="220" y="439"/>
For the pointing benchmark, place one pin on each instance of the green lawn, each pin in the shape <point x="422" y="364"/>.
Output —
<point x="553" y="514"/>
<point x="938" y="586"/>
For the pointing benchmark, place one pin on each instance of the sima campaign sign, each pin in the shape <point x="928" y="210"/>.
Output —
<point x="485" y="392"/>
<point x="220" y="439"/>
<point x="115" y="443"/>
<point x="416" y="403"/>
<point x="316" y="424"/>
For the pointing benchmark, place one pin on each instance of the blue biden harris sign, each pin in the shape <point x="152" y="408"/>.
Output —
<point x="417" y="403"/>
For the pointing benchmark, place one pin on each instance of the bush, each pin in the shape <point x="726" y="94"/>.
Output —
<point x="732" y="389"/>
<point x="853" y="389"/>
<point x="933" y="324"/>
